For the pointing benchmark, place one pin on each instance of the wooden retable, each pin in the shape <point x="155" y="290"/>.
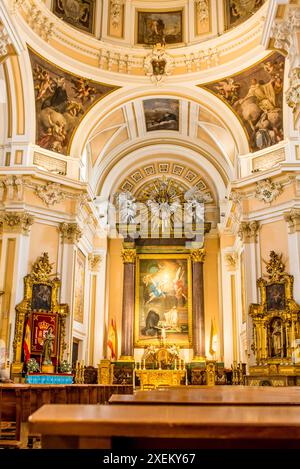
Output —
<point x="218" y="395"/>
<point x="124" y="426"/>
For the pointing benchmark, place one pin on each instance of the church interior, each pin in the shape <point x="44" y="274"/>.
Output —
<point x="149" y="223"/>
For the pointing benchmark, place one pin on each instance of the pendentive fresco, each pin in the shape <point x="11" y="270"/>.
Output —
<point x="61" y="101"/>
<point x="256" y="96"/>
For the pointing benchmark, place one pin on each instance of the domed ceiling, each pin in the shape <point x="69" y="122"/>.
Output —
<point x="144" y="23"/>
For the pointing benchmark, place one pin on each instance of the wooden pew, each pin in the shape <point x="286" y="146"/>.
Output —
<point x="10" y="416"/>
<point x="144" y="427"/>
<point x="221" y="395"/>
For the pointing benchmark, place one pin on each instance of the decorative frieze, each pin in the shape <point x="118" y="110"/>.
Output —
<point x="293" y="219"/>
<point x="268" y="191"/>
<point x="248" y="231"/>
<point x="50" y="193"/>
<point x="71" y="232"/>
<point x="40" y="23"/>
<point x="16" y="222"/>
<point x="128" y="256"/>
<point x="198" y="255"/>
<point x="94" y="262"/>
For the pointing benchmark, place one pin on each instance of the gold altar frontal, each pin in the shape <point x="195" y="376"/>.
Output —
<point x="154" y="378"/>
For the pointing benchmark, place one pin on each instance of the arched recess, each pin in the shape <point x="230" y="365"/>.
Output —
<point x="123" y="96"/>
<point x="109" y="182"/>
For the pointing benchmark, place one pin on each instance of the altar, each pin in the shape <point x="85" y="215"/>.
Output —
<point x="155" y="378"/>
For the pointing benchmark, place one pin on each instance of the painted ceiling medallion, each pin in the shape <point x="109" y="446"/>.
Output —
<point x="267" y="191"/>
<point x="158" y="65"/>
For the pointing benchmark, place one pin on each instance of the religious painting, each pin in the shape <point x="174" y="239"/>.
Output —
<point x="79" y="287"/>
<point x="61" y="101"/>
<point x="238" y="11"/>
<point x="159" y="27"/>
<point x="41" y="325"/>
<point x="275" y="294"/>
<point x="163" y="300"/>
<point x="256" y="97"/>
<point x="161" y="114"/>
<point x="78" y="13"/>
<point x="41" y="296"/>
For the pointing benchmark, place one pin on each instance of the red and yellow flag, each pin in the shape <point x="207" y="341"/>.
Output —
<point x="112" y="339"/>
<point x="27" y="342"/>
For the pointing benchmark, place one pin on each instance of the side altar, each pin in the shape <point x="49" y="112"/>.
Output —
<point x="39" y="340"/>
<point x="276" y="329"/>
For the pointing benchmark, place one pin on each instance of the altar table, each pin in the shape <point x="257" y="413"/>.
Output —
<point x="159" y="377"/>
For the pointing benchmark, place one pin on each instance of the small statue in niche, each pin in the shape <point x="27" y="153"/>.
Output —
<point x="48" y="347"/>
<point x="276" y="338"/>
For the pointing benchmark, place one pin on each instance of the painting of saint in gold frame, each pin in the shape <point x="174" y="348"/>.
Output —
<point x="163" y="303"/>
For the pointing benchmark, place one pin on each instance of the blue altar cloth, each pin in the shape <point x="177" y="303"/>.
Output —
<point x="45" y="378"/>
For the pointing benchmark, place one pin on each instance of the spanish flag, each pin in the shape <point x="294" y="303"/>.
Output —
<point x="112" y="339"/>
<point x="27" y="342"/>
<point x="213" y="343"/>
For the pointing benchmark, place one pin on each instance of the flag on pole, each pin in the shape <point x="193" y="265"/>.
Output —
<point x="213" y="343"/>
<point x="112" y="339"/>
<point x="27" y="342"/>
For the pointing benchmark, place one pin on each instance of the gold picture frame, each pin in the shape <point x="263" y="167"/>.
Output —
<point x="171" y="313"/>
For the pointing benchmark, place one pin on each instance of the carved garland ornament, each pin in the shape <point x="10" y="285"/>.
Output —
<point x="51" y="193"/>
<point x="41" y="268"/>
<point x="267" y="191"/>
<point x="275" y="267"/>
<point x="116" y="12"/>
<point x="202" y="10"/>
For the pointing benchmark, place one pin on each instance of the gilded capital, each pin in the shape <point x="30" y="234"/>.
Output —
<point x="16" y="222"/>
<point x="94" y="262"/>
<point x="198" y="255"/>
<point x="293" y="219"/>
<point x="248" y="231"/>
<point x="128" y="256"/>
<point x="71" y="232"/>
<point x="230" y="259"/>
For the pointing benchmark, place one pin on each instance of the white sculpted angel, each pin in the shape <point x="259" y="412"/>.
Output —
<point x="127" y="207"/>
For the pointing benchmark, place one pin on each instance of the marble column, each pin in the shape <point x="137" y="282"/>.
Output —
<point x="128" y="256"/>
<point x="197" y="257"/>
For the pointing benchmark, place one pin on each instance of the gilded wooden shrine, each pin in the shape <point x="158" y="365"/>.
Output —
<point x="276" y="327"/>
<point x="43" y="316"/>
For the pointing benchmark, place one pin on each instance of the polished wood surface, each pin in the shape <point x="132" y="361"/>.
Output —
<point x="218" y="395"/>
<point x="86" y="426"/>
<point x="36" y="395"/>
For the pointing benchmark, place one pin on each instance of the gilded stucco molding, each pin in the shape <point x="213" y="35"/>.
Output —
<point x="248" y="231"/>
<point x="16" y="222"/>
